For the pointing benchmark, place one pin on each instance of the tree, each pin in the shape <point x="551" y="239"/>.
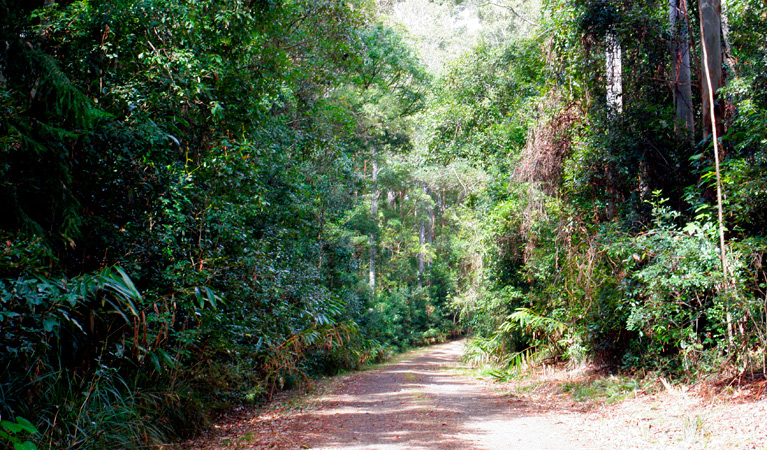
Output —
<point x="681" y="80"/>
<point x="711" y="39"/>
<point x="614" y="71"/>
<point x="372" y="238"/>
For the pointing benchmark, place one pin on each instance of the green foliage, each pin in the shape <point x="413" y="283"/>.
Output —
<point x="185" y="226"/>
<point x="573" y="256"/>
<point x="483" y="104"/>
<point x="196" y="194"/>
<point x="674" y="288"/>
<point x="13" y="432"/>
<point x="101" y="411"/>
<point x="527" y="321"/>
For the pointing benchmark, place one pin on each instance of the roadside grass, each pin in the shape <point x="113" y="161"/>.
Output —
<point x="667" y="423"/>
<point x="642" y="411"/>
<point x="606" y="390"/>
<point x="529" y="372"/>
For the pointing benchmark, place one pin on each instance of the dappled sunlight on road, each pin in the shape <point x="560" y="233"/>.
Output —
<point x="418" y="404"/>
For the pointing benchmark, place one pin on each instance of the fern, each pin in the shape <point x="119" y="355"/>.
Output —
<point x="526" y="320"/>
<point x="63" y="100"/>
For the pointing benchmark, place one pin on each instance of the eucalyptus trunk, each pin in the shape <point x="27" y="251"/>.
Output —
<point x="421" y="252"/>
<point x="710" y="33"/>
<point x="614" y="69"/>
<point x="374" y="213"/>
<point x="711" y="41"/>
<point x="681" y="80"/>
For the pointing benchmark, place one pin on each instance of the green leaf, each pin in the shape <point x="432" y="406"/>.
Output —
<point x="10" y="426"/>
<point x="71" y="320"/>
<point x="128" y="284"/>
<point x="26" y="445"/>
<point x="212" y="297"/>
<point x="27" y="425"/>
<point x="123" y="287"/>
<point x="200" y="299"/>
<point x="49" y="323"/>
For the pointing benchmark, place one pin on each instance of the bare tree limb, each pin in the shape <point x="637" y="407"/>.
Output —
<point x="510" y="8"/>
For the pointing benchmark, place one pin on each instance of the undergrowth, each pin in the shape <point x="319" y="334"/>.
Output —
<point x="608" y="390"/>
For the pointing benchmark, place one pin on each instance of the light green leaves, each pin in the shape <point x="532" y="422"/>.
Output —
<point x="12" y="432"/>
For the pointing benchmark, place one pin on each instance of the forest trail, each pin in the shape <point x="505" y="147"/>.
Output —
<point x="421" y="402"/>
<point x="417" y="403"/>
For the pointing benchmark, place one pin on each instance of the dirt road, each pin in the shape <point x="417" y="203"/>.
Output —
<point x="418" y="404"/>
<point x="421" y="403"/>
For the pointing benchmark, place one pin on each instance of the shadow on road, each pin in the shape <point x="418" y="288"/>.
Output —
<point x="417" y="404"/>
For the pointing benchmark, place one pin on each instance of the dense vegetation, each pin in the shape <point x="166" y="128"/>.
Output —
<point x="206" y="201"/>
<point x="187" y="209"/>
<point x="596" y="232"/>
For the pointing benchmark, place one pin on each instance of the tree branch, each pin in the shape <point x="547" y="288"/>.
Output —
<point x="510" y="8"/>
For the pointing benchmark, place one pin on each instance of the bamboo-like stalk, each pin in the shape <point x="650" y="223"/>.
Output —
<point x="720" y="209"/>
<point x="715" y="138"/>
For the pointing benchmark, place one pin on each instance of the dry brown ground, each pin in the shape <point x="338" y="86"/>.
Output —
<point x="423" y="402"/>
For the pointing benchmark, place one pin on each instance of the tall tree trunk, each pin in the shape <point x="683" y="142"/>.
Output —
<point x="390" y="197"/>
<point x="614" y="71"/>
<point x="714" y="38"/>
<point x="374" y="213"/>
<point x="726" y="47"/>
<point x="430" y="231"/>
<point x="681" y="80"/>
<point x="711" y="39"/>
<point x="372" y="271"/>
<point x="421" y="252"/>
